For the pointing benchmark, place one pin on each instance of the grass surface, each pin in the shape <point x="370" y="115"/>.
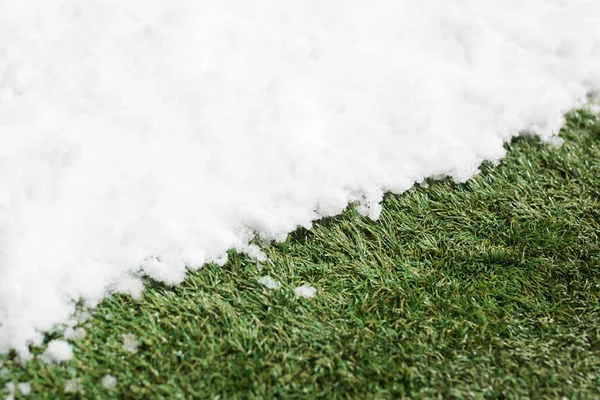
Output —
<point x="489" y="289"/>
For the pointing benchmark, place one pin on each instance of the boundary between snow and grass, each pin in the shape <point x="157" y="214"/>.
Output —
<point x="484" y="289"/>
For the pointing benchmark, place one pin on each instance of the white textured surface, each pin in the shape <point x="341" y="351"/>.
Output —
<point x="130" y="343"/>
<point x="269" y="282"/>
<point x="57" y="351"/>
<point x="142" y="136"/>
<point x="24" y="388"/>
<point x="305" y="290"/>
<point x="109" y="381"/>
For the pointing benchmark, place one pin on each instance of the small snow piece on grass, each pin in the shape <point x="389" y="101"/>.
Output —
<point x="109" y="381"/>
<point x="74" y="386"/>
<point x="57" y="351"/>
<point x="130" y="343"/>
<point x="9" y="388"/>
<point x="24" y="388"/>
<point x="74" y="333"/>
<point x="269" y="282"/>
<point x="556" y="142"/>
<point x="305" y="290"/>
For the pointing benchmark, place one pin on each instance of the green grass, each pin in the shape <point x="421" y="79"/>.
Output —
<point x="490" y="289"/>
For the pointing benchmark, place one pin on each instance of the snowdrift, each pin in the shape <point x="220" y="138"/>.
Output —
<point x="144" y="137"/>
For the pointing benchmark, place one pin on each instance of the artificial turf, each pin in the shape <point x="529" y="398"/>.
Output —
<point x="489" y="289"/>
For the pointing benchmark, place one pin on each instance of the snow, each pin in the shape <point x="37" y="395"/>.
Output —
<point x="74" y="386"/>
<point x="305" y="290"/>
<point x="109" y="381"/>
<point x="24" y="388"/>
<point x="74" y="333"/>
<point x="57" y="351"/>
<point x="150" y="136"/>
<point x="9" y="388"/>
<point x="268" y="282"/>
<point x="130" y="343"/>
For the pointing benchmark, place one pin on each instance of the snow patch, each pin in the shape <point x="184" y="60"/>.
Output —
<point x="305" y="290"/>
<point x="24" y="388"/>
<point x="74" y="386"/>
<point x="9" y="388"/>
<point x="74" y="333"/>
<point x="57" y="351"/>
<point x="269" y="282"/>
<point x="109" y="381"/>
<point x="130" y="343"/>
<point x="145" y="138"/>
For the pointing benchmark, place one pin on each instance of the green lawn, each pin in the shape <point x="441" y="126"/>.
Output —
<point x="490" y="289"/>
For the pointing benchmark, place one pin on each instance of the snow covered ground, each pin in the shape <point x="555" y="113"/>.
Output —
<point x="144" y="136"/>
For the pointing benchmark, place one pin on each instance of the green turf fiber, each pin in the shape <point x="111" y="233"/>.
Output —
<point x="489" y="289"/>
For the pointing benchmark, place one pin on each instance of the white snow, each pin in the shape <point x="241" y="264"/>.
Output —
<point x="305" y="290"/>
<point x="144" y="136"/>
<point x="268" y="282"/>
<point x="24" y="388"/>
<point x="57" y="351"/>
<point x="9" y="388"/>
<point x="74" y="333"/>
<point x="130" y="343"/>
<point x="73" y="386"/>
<point x="109" y="381"/>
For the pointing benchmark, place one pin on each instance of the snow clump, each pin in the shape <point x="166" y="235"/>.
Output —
<point x="269" y="282"/>
<point x="305" y="290"/>
<point x="57" y="351"/>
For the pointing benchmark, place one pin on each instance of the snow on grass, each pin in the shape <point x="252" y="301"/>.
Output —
<point x="57" y="351"/>
<point x="74" y="386"/>
<point x="74" y="333"/>
<point x="109" y="381"/>
<point x="305" y="290"/>
<point x="146" y="137"/>
<point x="268" y="282"/>
<point x="130" y="343"/>
<point x="24" y="388"/>
<point x="9" y="389"/>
